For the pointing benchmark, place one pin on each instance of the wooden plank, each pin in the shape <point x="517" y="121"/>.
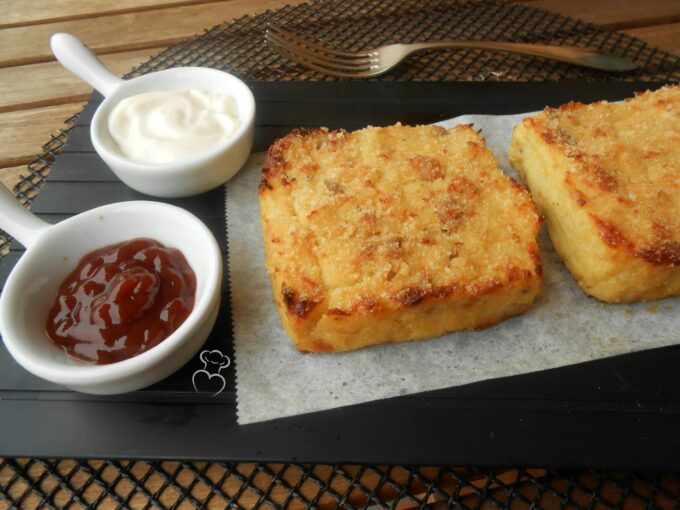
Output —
<point x="125" y="32"/>
<point x="49" y="84"/>
<point x="23" y="133"/>
<point x="666" y="37"/>
<point x="34" y="12"/>
<point x="43" y="11"/>
<point x="10" y="176"/>
<point x="617" y="14"/>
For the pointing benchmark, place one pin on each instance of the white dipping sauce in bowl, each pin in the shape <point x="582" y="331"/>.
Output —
<point x="180" y="175"/>
<point x="168" y="126"/>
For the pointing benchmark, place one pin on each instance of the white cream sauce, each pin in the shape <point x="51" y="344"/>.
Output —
<point x="169" y="126"/>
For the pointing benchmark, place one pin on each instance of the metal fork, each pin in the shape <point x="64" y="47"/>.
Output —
<point x="367" y="63"/>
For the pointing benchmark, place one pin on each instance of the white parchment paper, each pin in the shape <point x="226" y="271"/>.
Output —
<point x="563" y="327"/>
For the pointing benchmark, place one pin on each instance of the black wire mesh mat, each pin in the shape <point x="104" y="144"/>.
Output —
<point x="238" y="47"/>
<point x="154" y="484"/>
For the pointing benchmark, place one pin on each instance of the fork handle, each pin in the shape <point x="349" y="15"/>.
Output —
<point x="580" y="56"/>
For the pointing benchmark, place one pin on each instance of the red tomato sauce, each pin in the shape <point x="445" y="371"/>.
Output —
<point x="122" y="300"/>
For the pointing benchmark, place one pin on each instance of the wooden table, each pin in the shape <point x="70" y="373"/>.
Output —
<point x="37" y="94"/>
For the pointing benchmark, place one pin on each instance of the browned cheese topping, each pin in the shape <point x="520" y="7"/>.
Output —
<point x="386" y="218"/>
<point x="625" y="169"/>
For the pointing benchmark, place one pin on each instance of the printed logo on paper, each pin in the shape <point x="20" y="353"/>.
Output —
<point x="208" y="378"/>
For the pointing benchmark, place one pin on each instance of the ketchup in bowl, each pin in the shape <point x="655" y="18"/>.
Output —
<point x="122" y="300"/>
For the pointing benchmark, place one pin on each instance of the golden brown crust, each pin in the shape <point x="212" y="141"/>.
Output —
<point x="297" y="304"/>
<point x="614" y="170"/>
<point x="390" y="234"/>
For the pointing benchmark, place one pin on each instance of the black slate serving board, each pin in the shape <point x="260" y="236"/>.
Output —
<point x="622" y="412"/>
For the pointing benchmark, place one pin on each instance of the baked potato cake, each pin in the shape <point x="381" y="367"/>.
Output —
<point x="392" y="234"/>
<point x="607" y="178"/>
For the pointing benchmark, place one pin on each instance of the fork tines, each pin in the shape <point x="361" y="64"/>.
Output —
<point x="320" y="58"/>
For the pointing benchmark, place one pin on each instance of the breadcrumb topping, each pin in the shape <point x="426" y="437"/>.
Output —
<point x="388" y="218"/>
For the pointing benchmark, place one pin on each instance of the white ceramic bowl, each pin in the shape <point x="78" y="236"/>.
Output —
<point x="54" y="251"/>
<point x="181" y="178"/>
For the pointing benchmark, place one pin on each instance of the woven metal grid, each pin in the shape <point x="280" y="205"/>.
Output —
<point x="31" y="483"/>
<point x="239" y="48"/>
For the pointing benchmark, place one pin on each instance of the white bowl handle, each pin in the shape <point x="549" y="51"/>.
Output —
<point x="17" y="221"/>
<point x="77" y="58"/>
